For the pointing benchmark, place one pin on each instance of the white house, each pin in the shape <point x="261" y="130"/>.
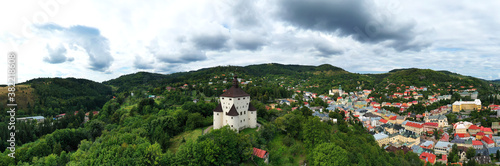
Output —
<point x="235" y="110"/>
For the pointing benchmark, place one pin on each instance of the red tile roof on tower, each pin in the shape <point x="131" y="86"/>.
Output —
<point x="234" y="91"/>
<point x="259" y="153"/>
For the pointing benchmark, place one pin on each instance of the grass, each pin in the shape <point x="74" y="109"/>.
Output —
<point x="24" y="95"/>
<point x="248" y="130"/>
<point x="176" y="142"/>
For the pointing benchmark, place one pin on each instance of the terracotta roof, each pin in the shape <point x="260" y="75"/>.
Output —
<point x="430" y="124"/>
<point x="428" y="157"/>
<point x="232" y="111"/>
<point x="480" y="133"/>
<point x="485" y="129"/>
<point x="416" y="125"/>
<point x="234" y="91"/>
<point x="259" y="153"/>
<point x="393" y="118"/>
<point x="462" y="135"/>
<point x="487" y="140"/>
<point x="383" y="120"/>
<point x="477" y="143"/>
<point x="218" y="108"/>
<point x="473" y="127"/>
<point x="251" y="107"/>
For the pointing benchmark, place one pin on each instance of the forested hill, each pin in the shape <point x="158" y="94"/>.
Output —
<point x="318" y="79"/>
<point x="141" y="79"/>
<point x="51" y="96"/>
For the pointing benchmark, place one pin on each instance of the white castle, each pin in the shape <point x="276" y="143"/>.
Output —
<point x="235" y="110"/>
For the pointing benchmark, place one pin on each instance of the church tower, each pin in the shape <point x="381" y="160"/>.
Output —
<point x="234" y="109"/>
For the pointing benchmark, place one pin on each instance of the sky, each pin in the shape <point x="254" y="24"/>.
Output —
<point x="101" y="40"/>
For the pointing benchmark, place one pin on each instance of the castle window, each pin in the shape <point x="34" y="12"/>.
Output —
<point x="217" y="113"/>
<point x="245" y="112"/>
<point x="247" y="103"/>
<point x="230" y="99"/>
<point x="223" y="98"/>
<point x="243" y="98"/>
<point x="231" y="125"/>
<point x="238" y="98"/>
<point x="252" y="112"/>
<point x="241" y="121"/>
<point x="231" y="117"/>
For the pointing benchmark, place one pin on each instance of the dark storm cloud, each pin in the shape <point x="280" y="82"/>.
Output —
<point x="57" y="55"/>
<point x="358" y="19"/>
<point x="90" y="39"/>
<point x="249" y="43"/>
<point x="245" y="14"/>
<point x="210" y="41"/>
<point x="326" y="50"/>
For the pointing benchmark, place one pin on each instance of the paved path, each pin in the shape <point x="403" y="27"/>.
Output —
<point x="258" y="125"/>
<point x="207" y="129"/>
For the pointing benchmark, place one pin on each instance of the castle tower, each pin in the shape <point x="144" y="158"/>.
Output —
<point x="234" y="109"/>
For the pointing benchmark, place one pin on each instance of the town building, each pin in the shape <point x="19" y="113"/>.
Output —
<point x="235" y="110"/>
<point x="466" y="105"/>
<point x="441" y="120"/>
<point x="381" y="138"/>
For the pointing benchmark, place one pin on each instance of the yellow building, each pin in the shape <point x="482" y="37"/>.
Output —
<point x="466" y="105"/>
<point x="381" y="138"/>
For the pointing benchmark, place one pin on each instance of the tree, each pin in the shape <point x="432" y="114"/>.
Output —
<point x="328" y="154"/>
<point x="315" y="132"/>
<point x="152" y="155"/>
<point x="94" y="128"/>
<point x="194" y="120"/>
<point x="471" y="152"/>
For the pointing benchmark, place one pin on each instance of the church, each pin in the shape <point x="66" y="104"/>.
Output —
<point x="234" y="109"/>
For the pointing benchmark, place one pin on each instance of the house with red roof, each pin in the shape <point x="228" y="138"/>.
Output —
<point x="261" y="154"/>
<point x="488" y="142"/>
<point x="473" y="129"/>
<point x="428" y="157"/>
<point x="445" y="137"/>
<point x="477" y="144"/>
<point x="413" y="126"/>
<point x="383" y="121"/>
<point x="486" y="130"/>
<point x="443" y="159"/>
<point x="430" y="126"/>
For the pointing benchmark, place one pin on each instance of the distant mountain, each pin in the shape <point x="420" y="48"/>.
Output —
<point x="323" y="77"/>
